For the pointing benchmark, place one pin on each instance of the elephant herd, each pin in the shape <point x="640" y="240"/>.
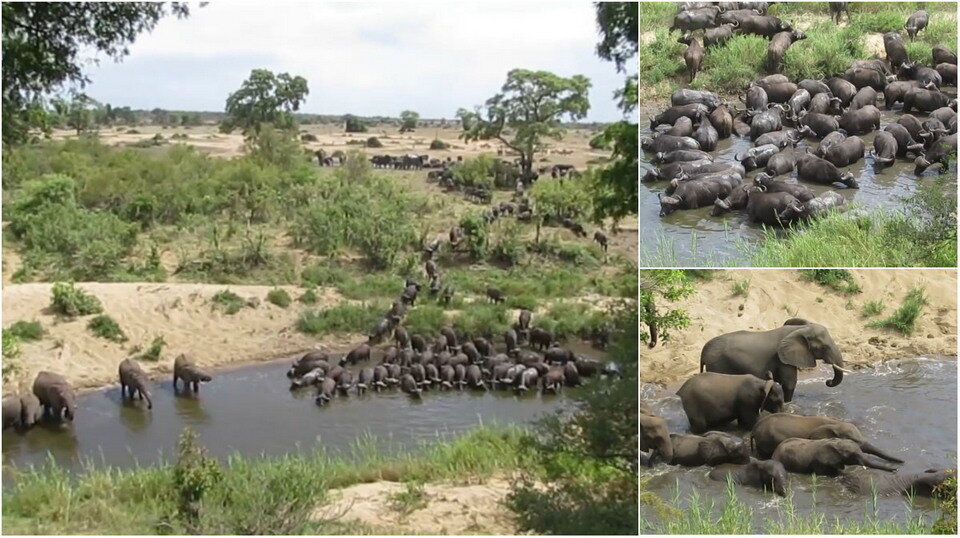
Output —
<point x="779" y="115"/>
<point x="54" y="399"/>
<point x="749" y="377"/>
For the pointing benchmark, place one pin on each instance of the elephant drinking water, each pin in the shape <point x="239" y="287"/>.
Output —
<point x="797" y="344"/>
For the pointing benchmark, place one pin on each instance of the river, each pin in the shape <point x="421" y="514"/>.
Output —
<point x="906" y="407"/>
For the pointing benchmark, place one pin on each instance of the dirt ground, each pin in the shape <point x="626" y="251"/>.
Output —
<point x="573" y="149"/>
<point x="447" y="508"/>
<point x="775" y="295"/>
<point x="182" y="313"/>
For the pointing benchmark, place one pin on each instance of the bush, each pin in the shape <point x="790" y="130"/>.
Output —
<point x="26" y="330"/>
<point x="194" y="475"/>
<point x="373" y="142"/>
<point x="872" y="308"/>
<point x="438" y="145"/>
<point x="341" y="319"/>
<point x="11" y="348"/>
<point x="827" y="51"/>
<point x="353" y="124"/>
<point x="229" y="302"/>
<point x="507" y="246"/>
<point x="904" y="318"/>
<point x="475" y="172"/>
<point x="153" y="351"/>
<point x="599" y="142"/>
<point x="309" y="297"/>
<point x="307" y="137"/>
<point x="69" y="300"/>
<point x="475" y="233"/>
<point x="277" y="147"/>
<point x="836" y="279"/>
<point x="557" y="199"/>
<point x="279" y="297"/>
<point x="728" y="69"/>
<point x="425" y="319"/>
<point x="106" y="327"/>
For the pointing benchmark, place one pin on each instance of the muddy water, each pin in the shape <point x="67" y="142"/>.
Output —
<point x="907" y="408"/>
<point x="726" y="240"/>
<point x="251" y="410"/>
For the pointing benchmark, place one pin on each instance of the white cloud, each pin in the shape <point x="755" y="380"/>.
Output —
<point x="375" y="55"/>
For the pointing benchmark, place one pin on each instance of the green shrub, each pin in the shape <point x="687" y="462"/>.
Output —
<point x="340" y="319"/>
<point x="872" y="308"/>
<point x="476" y="234"/>
<point x="194" y="474"/>
<point x="731" y="67"/>
<point x="279" y="297"/>
<point x="826" y="52"/>
<point x="527" y="302"/>
<point x="481" y="319"/>
<point x="69" y="300"/>
<point x="26" y="330"/>
<point x="353" y="124"/>
<point x="946" y="495"/>
<point x="507" y="246"/>
<point x="836" y="279"/>
<point x="599" y="142"/>
<point x="880" y="22"/>
<point x="277" y="147"/>
<point x="475" y="172"/>
<point x="230" y="303"/>
<point x="425" y="319"/>
<point x="11" y="348"/>
<point x="439" y="145"/>
<point x="571" y="197"/>
<point x="374" y="142"/>
<point x="106" y="327"/>
<point x="309" y="297"/>
<point x="741" y="288"/>
<point x="904" y="318"/>
<point x="153" y="351"/>
<point x="918" y="51"/>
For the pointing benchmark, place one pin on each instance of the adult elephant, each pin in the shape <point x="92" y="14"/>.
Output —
<point x="55" y="395"/>
<point x="655" y="436"/>
<point x="797" y="344"/>
<point x="711" y="400"/>
<point x="867" y="482"/>
<point x="774" y="429"/>
<point x="825" y="457"/>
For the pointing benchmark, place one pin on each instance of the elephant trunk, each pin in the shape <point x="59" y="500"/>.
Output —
<point x="869" y="462"/>
<point x="870" y="449"/>
<point x="837" y="377"/>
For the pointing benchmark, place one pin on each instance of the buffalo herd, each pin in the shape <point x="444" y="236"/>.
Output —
<point x="779" y="116"/>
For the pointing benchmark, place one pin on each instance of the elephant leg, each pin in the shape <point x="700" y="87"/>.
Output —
<point x="698" y="425"/>
<point x="747" y="418"/>
<point x="788" y="380"/>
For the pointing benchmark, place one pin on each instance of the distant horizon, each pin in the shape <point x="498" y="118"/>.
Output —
<point x="432" y="61"/>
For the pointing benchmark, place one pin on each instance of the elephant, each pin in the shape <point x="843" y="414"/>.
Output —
<point x="134" y="379"/>
<point x="825" y="457"/>
<point x="771" y="430"/>
<point x="185" y="369"/>
<point x="12" y="412"/>
<point x="540" y="338"/>
<point x="867" y="482"/>
<point x="763" y="474"/>
<point x="797" y="344"/>
<point x="712" y="400"/>
<point x="56" y="396"/>
<point x="711" y="448"/>
<point x="21" y="412"/>
<point x="655" y="436"/>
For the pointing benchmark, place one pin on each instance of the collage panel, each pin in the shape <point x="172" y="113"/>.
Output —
<point x="278" y="268"/>
<point x="798" y="134"/>
<point x="784" y="401"/>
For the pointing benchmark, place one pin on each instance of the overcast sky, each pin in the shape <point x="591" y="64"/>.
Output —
<point x="369" y="58"/>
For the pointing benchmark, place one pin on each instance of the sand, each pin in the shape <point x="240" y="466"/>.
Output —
<point x="182" y="313"/>
<point x="448" y="509"/>
<point x="775" y="295"/>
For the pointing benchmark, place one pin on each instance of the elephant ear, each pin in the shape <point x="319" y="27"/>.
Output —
<point x="793" y="349"/>
<point x="796" y="321"/>
<point x="767" y="387"/>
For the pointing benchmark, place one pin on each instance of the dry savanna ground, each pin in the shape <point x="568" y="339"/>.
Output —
<point x="773" y="296"/>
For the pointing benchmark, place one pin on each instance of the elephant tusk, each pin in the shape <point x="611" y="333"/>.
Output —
<point x="842" y="369"/>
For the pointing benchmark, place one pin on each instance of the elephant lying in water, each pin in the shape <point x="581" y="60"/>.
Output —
<point x="712" y="400"/>
<point x="772" y="430"/>
<point x="763" y="474"/>
<point x="826" y="457"/>
<point x="867" y="482"/>
<point x="711" y="448"/>
<point x="655" y="436"/>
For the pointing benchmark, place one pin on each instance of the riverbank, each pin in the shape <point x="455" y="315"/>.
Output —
<point x="295" y="494"/>
<point x="772" y="296"/>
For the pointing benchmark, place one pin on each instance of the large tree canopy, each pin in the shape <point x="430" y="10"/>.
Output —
<point x="618" y="195"/>
<point x="528" y="109"/>
<point x="42" y="43"/>
<point x="408" y="121"/>
<point x="265" y="98"/>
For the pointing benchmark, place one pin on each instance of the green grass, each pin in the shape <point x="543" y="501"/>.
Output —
<point x="341" y="319"/>
<point x="826" y="52"/>
<point x="279" y="297"/>
<point x="482" y="319"/>
<point x="729" y="69"/>
<point x="229" y="302"/>
<point x="71" y="301"/>
<point x="872" y="308"/>
<point x="309" y="297"/>
<point x="878" y="21"/>
<point x="106" y="327"/>
<point x="26" y="330"/>
<point x="839" y="280"/>
<point x="904" y="319"/>
<point x="741" y="288"/>
<point x="243" y="495"/>
<point x="153" y="351"/>
<point x="656" y="15"/>
<point x="425" y="319"/>
<point x="662" y="58"/>
<point x="410" y="499"/>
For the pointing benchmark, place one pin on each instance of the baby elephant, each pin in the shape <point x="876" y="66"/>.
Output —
<point x="21" y="412"/>
<point x="711" y="400"/>
<point x="134" y="379"/>
<point x="764" y="474"/>
<point x="55" y="395"/>
<point x="712" y="448"/>
<point x="825" y="457"/>
<point x="185" y="369"/>
<point x="772" y="430"/>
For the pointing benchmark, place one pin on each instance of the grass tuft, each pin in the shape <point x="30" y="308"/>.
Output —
<point x="279" y="297"/>
<point x="872" y="308"/>
<point x="904" y="319"/>
<point x="106" y="327"/>
<point x="741" y="288"/>
<point x="839" y="280"/>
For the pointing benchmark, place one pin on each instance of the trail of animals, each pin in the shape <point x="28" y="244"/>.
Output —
<point x="749" y="377"/>
<point x="782" y="118"/>
<point x="531" y="359"/>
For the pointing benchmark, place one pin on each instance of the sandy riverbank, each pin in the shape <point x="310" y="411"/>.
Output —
<point x="775" y="295"/>
<point x="182" y="313"/>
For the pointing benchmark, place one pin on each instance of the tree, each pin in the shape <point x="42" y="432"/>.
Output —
<point x="408" y="121"/>
<point x="528" y="109"/>
<point x="78" y="113"/>
<point x="42" y="44"/>
<point x="265" y="98"/>
<point x="669" y="284"/>
<point x="353" y="124"/>
<point x="618" y="193"/>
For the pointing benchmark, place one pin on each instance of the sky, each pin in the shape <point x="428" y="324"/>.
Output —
<point x="362" y="58"/>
